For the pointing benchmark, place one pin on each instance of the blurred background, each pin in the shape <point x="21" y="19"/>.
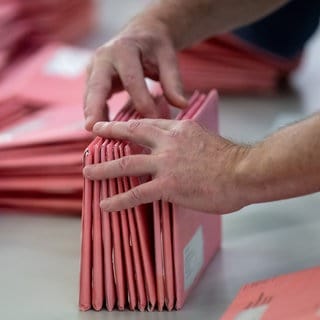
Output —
<point x="45" y="47"/>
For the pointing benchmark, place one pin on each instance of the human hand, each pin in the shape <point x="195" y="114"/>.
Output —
<point x="189" y="166"/>
<point x="142" y="49"/>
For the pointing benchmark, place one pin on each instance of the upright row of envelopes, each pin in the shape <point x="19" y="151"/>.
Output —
<point x="151" y="256"/>
<point x="233" y="66"/>
<point x="27" y="24"/>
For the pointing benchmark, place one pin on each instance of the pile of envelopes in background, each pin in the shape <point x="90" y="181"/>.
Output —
<point x="232" y="66"/>
<point x="27" y="24"/>
<point x="151" y="256"/>
<point x="42" y="134"/>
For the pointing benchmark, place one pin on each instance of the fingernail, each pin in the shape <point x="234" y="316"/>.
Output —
<point x="87" y="172"/>
<point x="184" y="101"/>
<point x="99" y="125"/>
<point x="89" y="122"/>
<point x="104" y="205"/>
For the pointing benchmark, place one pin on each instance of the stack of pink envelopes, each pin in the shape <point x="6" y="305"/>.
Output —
<point x="42" y="134"/>
<point x="151" y="256"/>
<point x="232" y="66"/>
<point x="28" y="24"/>
<point x="40" y="163"/>
<point x="55" y="74"/>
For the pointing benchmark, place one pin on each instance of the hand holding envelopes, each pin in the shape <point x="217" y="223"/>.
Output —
<point x="151" y="256"/>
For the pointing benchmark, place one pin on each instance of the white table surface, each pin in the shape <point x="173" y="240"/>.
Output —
<point x="39" y="254"/>
<point x="39" y="261"/>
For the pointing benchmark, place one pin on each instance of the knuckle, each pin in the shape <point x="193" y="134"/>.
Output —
<point x="101" y="52"/>
<point x="124" y="41"/>
<point x="168" y="189"/>
<point x="124" y="163"/>
<point x="94" y="85"/>
<point x="186" y="124"/>
<point x="174" y="133"/>
<point x="122" y="44"/>
<point x="128" y="80"/>
<point x="133" y="125"/>
<point x="135" y="195"/>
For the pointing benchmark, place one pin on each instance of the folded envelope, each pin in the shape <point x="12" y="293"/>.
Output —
<point x="55" y="74"/>
<point x="291" y="296"/>
<point x="151" y="256"/>
<point x="41" y="150"/>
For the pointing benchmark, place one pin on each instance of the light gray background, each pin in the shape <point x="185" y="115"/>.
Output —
<point x="39" y="254"/>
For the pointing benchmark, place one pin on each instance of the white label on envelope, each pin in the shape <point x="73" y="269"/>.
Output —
<point x="193" y="258"/>
<point x="255" y="313"/>
<point x="68" y="62"/>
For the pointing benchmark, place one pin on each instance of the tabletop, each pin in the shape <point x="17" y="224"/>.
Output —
<point x="39" y="266"/>
<point x="39" y="253"/>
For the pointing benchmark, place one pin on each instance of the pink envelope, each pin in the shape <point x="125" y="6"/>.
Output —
<point x="53" y="75"/>
<point x="85" y="292"/>
<point x="159" y="256"/>
<point x="238" y="66"/>
<point x="117" y="248"/>
<point x="97" y="261"/>
<point x="58" y="184"/>
<point x="291" y="296"/>
<point x="56" y="124"/>
<point x="130" y="277"/>
<point x="136" y="255"/>
<point x="196" y="235"/>
<point x="159" y="251"/>
<point x="44" y="205"/>
<point x="109" y="282"/>
<point x="143" y="221"/>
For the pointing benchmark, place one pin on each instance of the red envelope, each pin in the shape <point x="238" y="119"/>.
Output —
<point x="232" y="66"/>
<point x="158" y="255"/>
<point x="291" y="296"/>
<point x="119" y="152"/>
<point x="54" y="74"/>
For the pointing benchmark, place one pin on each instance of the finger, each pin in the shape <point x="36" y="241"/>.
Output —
<point x="170" y="78"/>
<point x="135" y="165"/>
<point x="132" y="130"/>
<point x="144" y="193"/>
<point x="98" y="88"/>
<point x="88" y="71"/>
<point x="131" y="74"/>
<point x="164" y="124"/>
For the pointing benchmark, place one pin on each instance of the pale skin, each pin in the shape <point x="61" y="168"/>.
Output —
<point x="216" y="175"/>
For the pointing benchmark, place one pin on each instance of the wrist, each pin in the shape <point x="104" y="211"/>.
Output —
<point x="150" y="24"/>
<point x="169" y="21"/>
<point x="240" y="166"/>
<point x="256" y="176"/>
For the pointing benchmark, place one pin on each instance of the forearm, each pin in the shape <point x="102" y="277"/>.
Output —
<point x="285" y="165"/>
<point x="188" y="21"/>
